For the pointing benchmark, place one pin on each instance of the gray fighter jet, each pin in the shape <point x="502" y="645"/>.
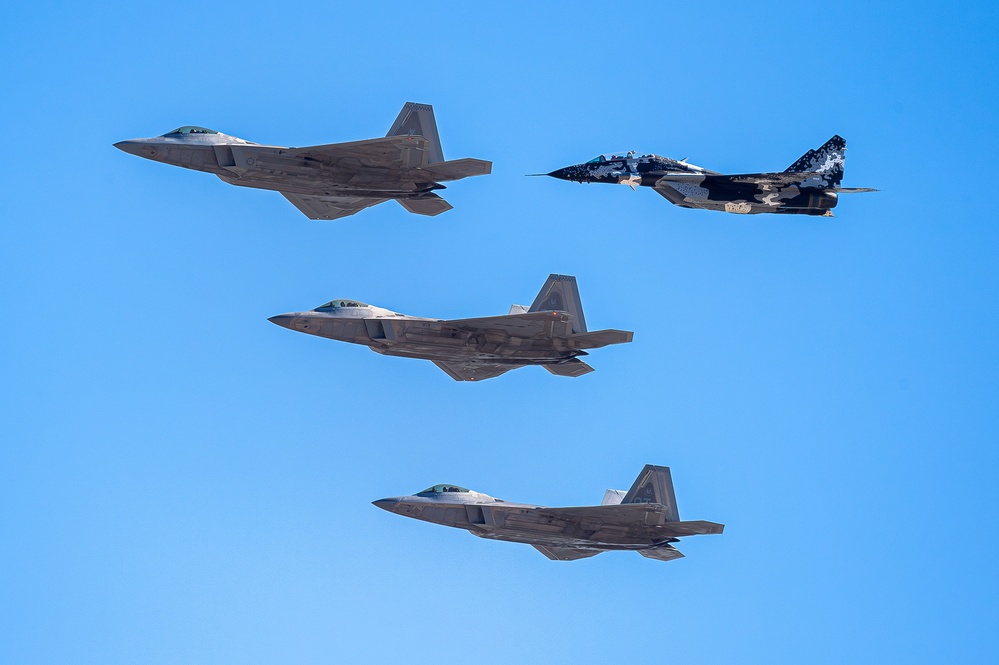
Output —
<point x="551" y="333"/>
<point x="326" y="181"/>
<point x="644" y="519"/>
<point x="810" y="186"/>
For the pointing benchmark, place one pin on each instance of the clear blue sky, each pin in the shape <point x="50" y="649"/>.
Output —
<point x="183" y="482"/>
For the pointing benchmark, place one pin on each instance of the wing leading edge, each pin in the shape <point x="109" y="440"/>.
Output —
<point x="565" y="553"/>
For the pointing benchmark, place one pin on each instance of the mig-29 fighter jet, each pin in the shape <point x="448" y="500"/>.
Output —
<point x="551" y="333"/>
<point x="326" y="181"/>
<point x="810" y="186"/>
<point x="644" y="519"/>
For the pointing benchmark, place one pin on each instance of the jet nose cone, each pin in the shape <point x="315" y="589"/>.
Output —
<point x="148" y="148"/>
<point x="386" y="504"/>
<point x="298" y="321"/>
<point x="283" y="320"/>
<point x="561" y="174"/>
<point x="131" y="147"/>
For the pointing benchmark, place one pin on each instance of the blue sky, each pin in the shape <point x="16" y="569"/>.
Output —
<point x="183" y="482"/>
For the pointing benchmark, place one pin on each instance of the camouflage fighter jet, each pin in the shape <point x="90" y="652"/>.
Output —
<point x="551" y="333"/>
<point x="326" y="181"/>
<point x="644" y="519"/>
<point x="810" y="186"/>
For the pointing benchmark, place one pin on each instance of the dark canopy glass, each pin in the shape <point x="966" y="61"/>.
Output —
<point x="438" y="489"/>
<point x="189" y="129"/>
<point x="341" y="302"/>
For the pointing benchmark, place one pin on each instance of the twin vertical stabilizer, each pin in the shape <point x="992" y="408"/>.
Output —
<point x="418" y="120"/>
<point x="654" y="485"/>
<point x="560" y="294"/>
<point x="827" y="160"/>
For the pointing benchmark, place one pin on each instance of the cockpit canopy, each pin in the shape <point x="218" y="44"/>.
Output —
<point x="189" y="129"/>
<point x="612" y="157"/>
<point x="337" y="304"/>
<point x="438" y="489"/>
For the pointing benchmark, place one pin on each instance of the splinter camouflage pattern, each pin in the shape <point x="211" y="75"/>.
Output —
<point x="326" y="181"/>
<point x="551" y="333"/>
<point x="810" y="186"/>
<point x="644" y="519"/>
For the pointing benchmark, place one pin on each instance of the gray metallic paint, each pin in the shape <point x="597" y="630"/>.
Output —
<point x="552" y="333"/>
<point x="328" y="181"/>
<point x="646" y="519"/>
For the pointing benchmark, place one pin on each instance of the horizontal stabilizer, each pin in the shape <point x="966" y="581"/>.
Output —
<point x="456" y="169"/>
<point x="566" y="553"/>
<point x="691" y="528"/>
<point x="661" y="553"/>
<point x="426" y="204"/>
<point x="571" y="367"/>
<point x="599" y="338"/>
<point x="854" y="190"/>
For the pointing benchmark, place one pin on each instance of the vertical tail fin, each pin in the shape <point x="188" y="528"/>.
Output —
<point x="612" y="497"/>
<point x="654" y="485"/>
<point x="418" y="120"/>
<point x="827" y="160"/>
<point x="560" y="294"/>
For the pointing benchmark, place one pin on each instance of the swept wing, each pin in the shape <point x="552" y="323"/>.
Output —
<point x="386" y="152"/>
<point x="547" y="323"/>
<point x="410" y="153"/>
<point x="473" y="371"/>
<point x="565" y="553"/>
<point x="638" y="514"/>
<point x="331" y="207"/>
<point x="528" y="324"/>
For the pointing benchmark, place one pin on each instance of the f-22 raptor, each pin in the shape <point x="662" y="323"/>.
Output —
<point x="810" y="186"/>
<point x="326" y="181"/>
<point x="551" y="333"/>
<point x="644" y="519"/>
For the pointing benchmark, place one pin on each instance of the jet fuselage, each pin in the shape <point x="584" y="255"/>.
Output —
<point x="551" y="332"/>
<point x="810" y="186"/>
<point x="329" y="181"/>
<point x="625" y="169"/>
<point x="487" y="517"/>
<point x="246" y="164"/>
<point x="394" y="334"/>
<point x="644" y="519"/>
